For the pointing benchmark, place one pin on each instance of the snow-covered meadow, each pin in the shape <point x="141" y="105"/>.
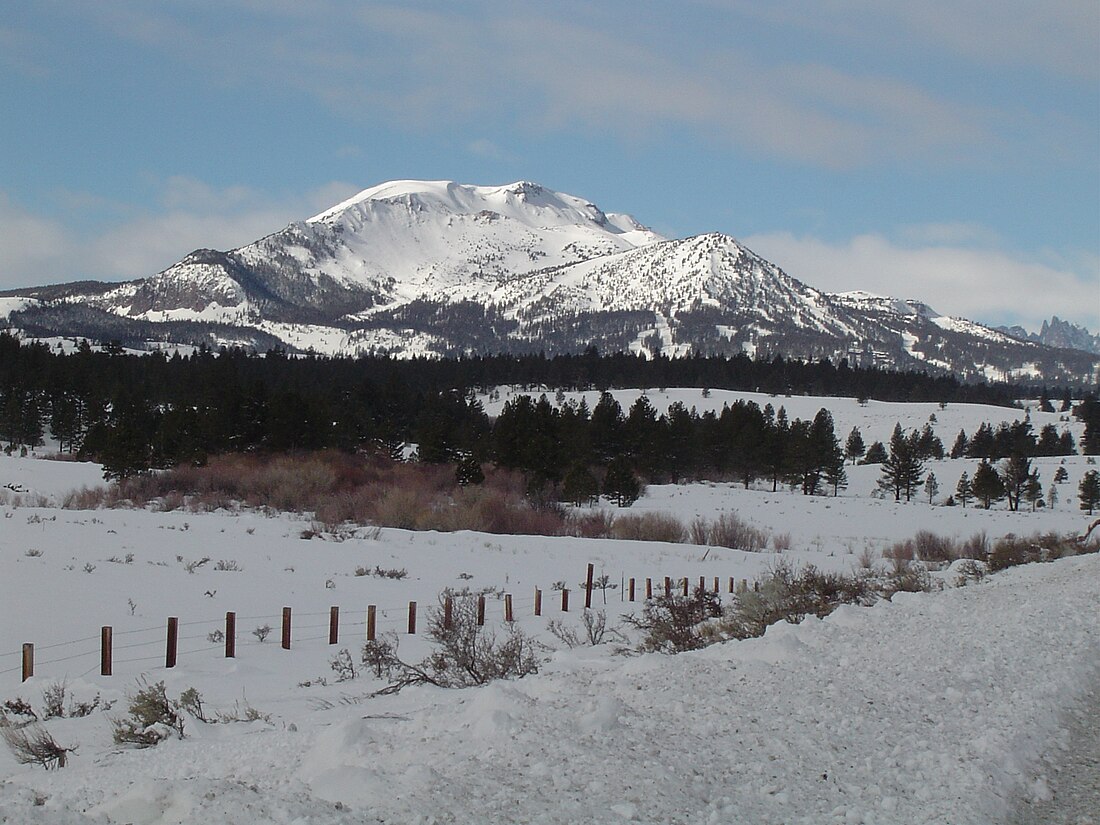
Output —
<point x="931" y="708"/>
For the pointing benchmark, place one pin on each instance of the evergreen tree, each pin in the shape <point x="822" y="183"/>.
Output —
<point x="902" y="470"/>
<point x="1014" y="476"/>
<point x="931" y="487"/>
<point x="876" y="454"/>
<point x="1089" y="412"/>
<point x="579" y="485"/>
<point x="1088" y="491"/>
<point x="987" y="485"/>
<point x="1033" y="490"/>
<point x="961" y="447"/>
<point x="963" y="490"/>
<point x="468" y="471"/>
<point x="620" y="483"/>
<point x="1060" y="475"/>
<point x="854" y="448"/>
<point x="835" y="474"/>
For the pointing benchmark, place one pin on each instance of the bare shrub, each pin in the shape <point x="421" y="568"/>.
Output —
<point x="86" y="498"/>
<point x="673" y="624"/>
<point x="593" y="625"/>
<point x="907" y="578"/>
<point x="591" y="524"/>
<point x="930" y="547"/>
<point x="784" y="595"/>
<point x="699" y="532"/>
<point x="242" y="713"/>
<point x="649" y="527"/>
<point x="403" y="509"/>
<point x="969" y="570"/>
<point x="465" y="653"/>
<point x="730" y="531"/>
<point x="152" y="718"/>
<point x="262" y="632"/>
<point x="781" y="542"/>
<point x="343" y="666"/>
<point x="976" y="547"/>
<point x="901" y="552"/>
<point x="53" y="700"/>
<point x="33" y="745"/>
<point x="866" y="557"/>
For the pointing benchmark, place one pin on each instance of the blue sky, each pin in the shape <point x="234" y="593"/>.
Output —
<point x="947" y="150"/>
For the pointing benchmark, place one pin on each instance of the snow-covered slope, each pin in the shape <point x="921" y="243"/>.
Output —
<point x="933" y="708"/>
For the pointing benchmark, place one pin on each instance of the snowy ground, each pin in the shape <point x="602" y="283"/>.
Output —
<point x="937" y="708"/>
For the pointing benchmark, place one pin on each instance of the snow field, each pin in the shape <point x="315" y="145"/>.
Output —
<point x="935" y="708"/>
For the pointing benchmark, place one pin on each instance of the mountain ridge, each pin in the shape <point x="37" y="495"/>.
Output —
<point x="441" y="268"/>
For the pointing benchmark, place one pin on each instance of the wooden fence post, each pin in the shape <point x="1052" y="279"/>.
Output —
<point x="685" y="585"/>
<point x="648" y="588"/>
<point x="333" y="625"/>
<point x="28" y="661"/>
<point x="668" y="587"/>
<point x="448" y="612"/>
<point x="371" y="611"/>
<point x="172" y="645"/>
<point x="538" y="602"/>
<point x="717" y="589"/>
<point x="508" y="608"/>
<point x="731" y="584"/>
<point x="565" y="600"/>
<point x="631" y="589"/>
<point x="480" y="611"/>
<point x="105" y="635"/>
<point x="412" y="618"/>
<point x="703" y="584"/>
<point x="286" y="628"/>
<point x="588" y="587"/>
<point x="230" y="635"/>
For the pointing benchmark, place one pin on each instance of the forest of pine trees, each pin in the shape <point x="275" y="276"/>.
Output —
<point x="134" y="413"/>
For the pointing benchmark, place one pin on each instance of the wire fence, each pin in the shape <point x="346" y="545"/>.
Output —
<point x="220" y="635"/>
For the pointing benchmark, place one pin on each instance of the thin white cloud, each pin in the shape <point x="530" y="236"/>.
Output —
<point x="36" y="250"/>
<point x="541" y="68"/>
<point x="1055" y="36"/>
<point x="983" y="284"/>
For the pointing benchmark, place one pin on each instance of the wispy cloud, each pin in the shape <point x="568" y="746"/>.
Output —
<point x="948" y="267"/>
<point x="567" y="68"/>
<point x="139" y="242"/>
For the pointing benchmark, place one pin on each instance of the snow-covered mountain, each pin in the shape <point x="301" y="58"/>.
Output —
<point x="435" y="267"/>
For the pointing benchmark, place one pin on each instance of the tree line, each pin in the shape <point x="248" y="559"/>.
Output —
<point x="133" y="413"/>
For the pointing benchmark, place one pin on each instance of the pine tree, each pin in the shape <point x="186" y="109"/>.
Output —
<point x="579" y="485"/>
<point x="902" y="470"/>
<point x="620" y="483"/>
<point x="1060" y="475"/>
<point x="1033" y="490"/>
<point x="987" y="485"/>
<point x="468" y="471"/>
<point x="876" y="454"/>
<point x="931" y="487"/>
<point x="854" y="448"/>
<point x="961" y="446"/>
<point x="1088" y="491"/>
<point x="963" y="490"/>
<point x="1014" y="476"/>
